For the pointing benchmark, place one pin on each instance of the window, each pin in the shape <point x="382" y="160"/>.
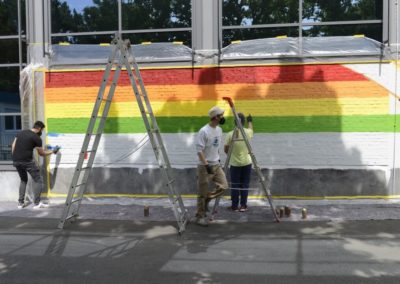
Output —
<point x="247" y="12"/>
<point x="12" y="122"/>
<point x="252" y="19"/>
<point x="334" y="10"/>
<point x="93" y="22"/>
<point x="9" y="17"/>
<point x="142" y="14"/>
<point x="69" y="16"/>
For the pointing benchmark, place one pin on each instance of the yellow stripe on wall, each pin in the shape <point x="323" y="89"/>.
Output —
<point x="341" y="106"/>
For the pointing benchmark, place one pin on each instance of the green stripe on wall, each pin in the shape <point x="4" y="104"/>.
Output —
<point x="371" y="123"/>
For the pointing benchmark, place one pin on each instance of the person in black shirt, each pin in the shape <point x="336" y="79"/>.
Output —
<point x="22" y="153"/>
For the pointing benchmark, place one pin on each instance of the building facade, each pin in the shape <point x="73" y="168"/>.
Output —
<point x="325" y="124"/>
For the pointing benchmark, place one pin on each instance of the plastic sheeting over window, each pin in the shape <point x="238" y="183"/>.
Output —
<point x="310" y="47"/>
<point x="351" y="48"/>
<point x="84" y="54"/>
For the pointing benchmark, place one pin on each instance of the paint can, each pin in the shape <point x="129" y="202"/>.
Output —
<point x="281" y="212"/>
<point x="288" y="211"/>
<point x="146" y="211"/>
<point x="304" y="213"/>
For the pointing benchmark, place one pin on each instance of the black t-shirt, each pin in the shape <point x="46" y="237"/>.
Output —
<point x="27" y="140"/>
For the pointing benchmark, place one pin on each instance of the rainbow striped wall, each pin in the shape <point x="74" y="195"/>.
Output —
<point x="283" y="99"/>
<point x="321" y="130"/>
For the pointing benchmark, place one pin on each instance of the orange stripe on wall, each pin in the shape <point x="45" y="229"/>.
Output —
<point x="311" y="90"/>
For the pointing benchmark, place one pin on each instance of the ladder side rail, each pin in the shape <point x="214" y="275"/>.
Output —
<point x="254" y="160"/>
<point x="156" y="144"/>
<point x="99" y="131"/>
<point x="85" y="144"/>
<point x="149" y="108"/>
<point x="226" y="168"/>
<point x="146" y="121"/>
<point x="100" y="94"/>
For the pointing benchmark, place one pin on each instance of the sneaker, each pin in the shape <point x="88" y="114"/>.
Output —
<point x="243" y="209"/>
<point x="40" y="205"/>
<point x="21" y="205"/>
<point x="234" y="209"/>
<point x="202" y="222"/>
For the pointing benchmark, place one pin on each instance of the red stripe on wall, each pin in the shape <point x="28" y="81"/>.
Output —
<point x="208" y="76"/>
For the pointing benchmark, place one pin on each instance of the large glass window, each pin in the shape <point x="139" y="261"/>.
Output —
<point x="156" y="14"/>
<point x="12" y="59"/>
<point x="9" y="17"/>
<point x="84" y="15"/>
<point x="266" y="18"/>
<point x="10" y="120"/>
<point x="96" y="21"/>
<point x="334" y="10"/>
<point x="251" y="12"/>
<point x="9" y="51"/>
<point x="373" y="31"/>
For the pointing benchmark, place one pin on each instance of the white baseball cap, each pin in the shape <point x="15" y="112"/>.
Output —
<point x="214" y="111"/>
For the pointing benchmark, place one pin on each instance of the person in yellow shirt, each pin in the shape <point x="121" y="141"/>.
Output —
<point x="240" y="164"/>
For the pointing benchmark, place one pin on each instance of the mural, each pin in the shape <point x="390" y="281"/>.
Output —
<point x="323" y="118"/>
<point x="308" y="98"/>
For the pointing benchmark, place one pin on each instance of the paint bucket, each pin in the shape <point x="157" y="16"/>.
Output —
<point x="304" y="213"/>
<point x="288" y="211"/>
<point x="146" y="211"/>
<point x="281" y="212"/>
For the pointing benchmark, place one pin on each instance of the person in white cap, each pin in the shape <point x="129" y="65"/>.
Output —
<point x="209" y="140"/>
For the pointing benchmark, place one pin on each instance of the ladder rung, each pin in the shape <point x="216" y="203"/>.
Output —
<point x="88" y="151"/>
<point x="78" y="185"/>
<point x="171" y="181"/>
<point x="175" y="200"/>
<point x="85" y="168"/>
<point x="76" y="200"/>
<point x="69" y="217"/>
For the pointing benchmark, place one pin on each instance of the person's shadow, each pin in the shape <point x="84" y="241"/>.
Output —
<point x="299" y="133"/>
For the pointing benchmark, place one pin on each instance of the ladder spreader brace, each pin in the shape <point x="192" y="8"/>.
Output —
<point x="239" y="128"/>
<point x="122" y="50"/>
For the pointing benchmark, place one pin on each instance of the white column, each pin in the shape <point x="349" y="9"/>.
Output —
<point x="205" y="30"/>
<point x="38" y="30"/>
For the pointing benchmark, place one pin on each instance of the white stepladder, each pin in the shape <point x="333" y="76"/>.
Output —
<point x="239" y="128"/>
<point x="120" y="49"/>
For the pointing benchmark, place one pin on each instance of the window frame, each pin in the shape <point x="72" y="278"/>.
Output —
<point x="301" y="24"/>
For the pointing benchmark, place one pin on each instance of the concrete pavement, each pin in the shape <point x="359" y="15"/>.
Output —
<point x="108" y="245"/>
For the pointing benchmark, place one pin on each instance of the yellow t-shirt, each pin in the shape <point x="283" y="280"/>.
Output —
<point x="240" y="155"/>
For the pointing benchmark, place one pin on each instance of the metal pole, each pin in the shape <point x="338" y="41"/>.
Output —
<point x="300" y="27"/>
<point x="119" y="17"/>
<point x="220" y="23"/>
<point x="19" y="35"/>
<point x="395" y="94"/>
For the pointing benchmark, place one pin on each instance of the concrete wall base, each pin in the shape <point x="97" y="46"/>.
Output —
<point x="283" y="182"/>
